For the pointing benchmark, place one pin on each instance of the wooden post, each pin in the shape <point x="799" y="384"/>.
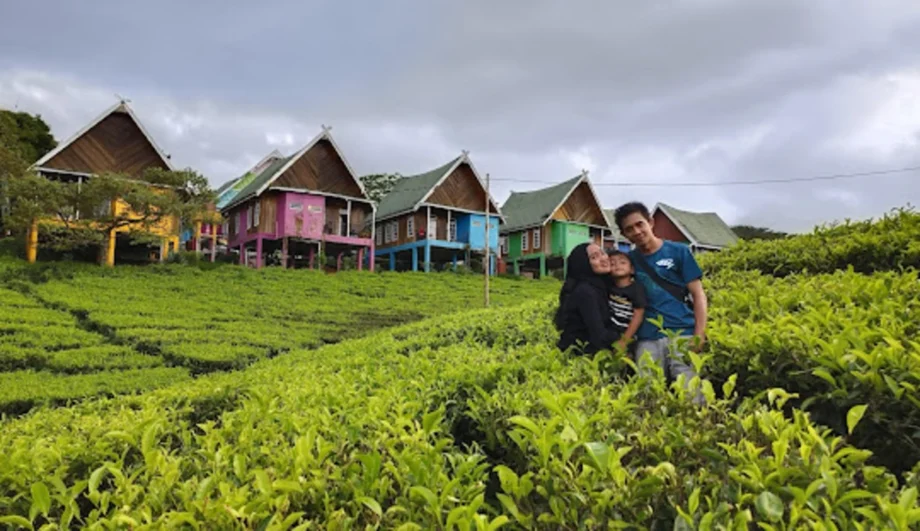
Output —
<point x="347" y="218"/>
<point x="312" y="256"/>
<point x="109" y="256"/>
<point x="487" y="266"/>
<point x="338" y="262"/>
<point x="448" y="225"/>
<point x="197" y="236"/>
<point x="32" y="243"/>
<point x="259" y="252"/>
<point x="243" y="254"/>
<point x="162" y="250"/>
<point x="361" y="259"/>
<point x="213" y="242"/>
<point x="284" y="252"/>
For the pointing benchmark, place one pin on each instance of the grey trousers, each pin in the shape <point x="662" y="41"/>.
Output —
<point x="667" y="354"/>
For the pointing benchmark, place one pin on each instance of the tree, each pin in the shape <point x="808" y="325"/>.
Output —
<point x="378" y="185"/>
<point x="26" y="134"/>
<point x="75" y="214"/>
<point x="748" y="232"/>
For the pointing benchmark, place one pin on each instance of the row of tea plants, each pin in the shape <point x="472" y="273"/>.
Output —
<point x="462" y="422"/>
<point x="891" y="243"/>
<point x="64" y="329"/>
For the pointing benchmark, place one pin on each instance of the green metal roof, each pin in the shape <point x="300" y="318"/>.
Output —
<point x="528" y="209"/>
<point x="704" y="228"/>
<point x="611" y="220"/>
<point x="409" y="190"/>
<point x="250" y="183"/>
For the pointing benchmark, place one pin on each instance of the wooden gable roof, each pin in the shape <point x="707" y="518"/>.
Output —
<point x="115" y="141"/>
<point x="319" y="167"/>
<point x="572" y="200"/>
<point x="581" y="206"/>
<point x="453" y="185"/>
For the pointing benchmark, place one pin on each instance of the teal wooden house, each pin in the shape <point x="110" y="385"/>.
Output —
<point x="543" y="226"/>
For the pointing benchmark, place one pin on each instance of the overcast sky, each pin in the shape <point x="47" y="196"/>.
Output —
<point x="651" y="91"/>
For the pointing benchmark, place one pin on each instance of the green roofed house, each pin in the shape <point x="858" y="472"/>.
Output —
<point x="701" y="231"/>
<point x="543" y="226"/>
<point x="436" y="218"/>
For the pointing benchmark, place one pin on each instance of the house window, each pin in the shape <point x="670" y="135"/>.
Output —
<point x="503" y="245"/>
<point x="452" y="230"/>
<point x="524" y="241"/>
<point x="392" y="231"/>
<point x="410" y="228"/>
<point x="225" y="227"/>
<point x="537" y="244"/>
<point x="343" y="224"/>
<point x="256" y="213"/>
<point x="248" y="218"/>
<point x="238" y="223"/>
<point x="378" y="236"/>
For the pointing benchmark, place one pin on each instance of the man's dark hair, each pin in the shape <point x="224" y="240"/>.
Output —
<point x="630" y="208"/>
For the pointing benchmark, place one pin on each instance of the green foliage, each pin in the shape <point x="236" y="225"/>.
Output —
<point x="378" y="185"/>
<point x="890" y="243"/>
<point x="466" y="421"/>
<point x="749" y="232"/>
<point x="27" y="135"/>
<point x="204" y="321"/>
<point x="79" y="214"/>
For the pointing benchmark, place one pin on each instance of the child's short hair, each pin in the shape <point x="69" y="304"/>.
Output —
<point x="616" y="252"/>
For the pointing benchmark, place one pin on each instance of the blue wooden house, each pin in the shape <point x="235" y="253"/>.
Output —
<point x="437" y="219"/>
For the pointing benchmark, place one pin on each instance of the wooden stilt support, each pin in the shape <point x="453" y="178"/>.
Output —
<point x="109" y="256"/>
<point x="32" y="243"/>
<point x="284" y="252"/>
<point x="213" y="242"/>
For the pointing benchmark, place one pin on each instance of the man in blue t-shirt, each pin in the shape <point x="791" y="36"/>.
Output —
<point x="678" y="275"/>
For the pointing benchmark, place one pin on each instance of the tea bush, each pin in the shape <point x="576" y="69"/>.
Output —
<point x="469" y="422"/>
<point x="64" y="319"/>
<point x="891" y="243"/>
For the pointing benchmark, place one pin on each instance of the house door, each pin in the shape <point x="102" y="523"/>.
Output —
<point x="433" y="228"/>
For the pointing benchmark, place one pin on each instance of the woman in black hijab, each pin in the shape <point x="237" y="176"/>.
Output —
<point x="583" y="316"/>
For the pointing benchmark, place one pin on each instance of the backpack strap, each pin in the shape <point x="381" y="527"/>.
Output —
<point x="680" y="293"/>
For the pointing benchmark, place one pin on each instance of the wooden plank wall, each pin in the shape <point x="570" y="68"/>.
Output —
<point x="321" y="169"/>
<point x="116" y="144"/>
<point x="461" y="189"/>
<point x="581" y="207"/>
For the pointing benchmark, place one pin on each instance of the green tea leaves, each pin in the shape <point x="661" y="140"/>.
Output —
<point x="854" y="415"/>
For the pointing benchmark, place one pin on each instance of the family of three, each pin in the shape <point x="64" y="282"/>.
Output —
<point x="611" y="299"/>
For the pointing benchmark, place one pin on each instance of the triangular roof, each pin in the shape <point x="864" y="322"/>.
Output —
<point x="534" y="208"/>
<point x="254" y="184"/>
<point x="411" y="191"/>
<point x="47" y="161"/>
<point x="611" y="220"/>
<point x="230" y="189"/>
<point x="704" y="229"/>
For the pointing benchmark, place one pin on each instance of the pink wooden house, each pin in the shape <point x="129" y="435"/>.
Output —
<point x="299" y="210"/>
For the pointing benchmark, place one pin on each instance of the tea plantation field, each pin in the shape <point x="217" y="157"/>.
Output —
<point x="471" y="420"/>
<point x="68" y="331"/>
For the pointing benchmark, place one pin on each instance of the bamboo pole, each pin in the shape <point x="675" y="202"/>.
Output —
<point x="32" y="243"/>
<point x="488" y="263"/>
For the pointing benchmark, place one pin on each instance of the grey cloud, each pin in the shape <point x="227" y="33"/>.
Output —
<point x="663" y="90"/>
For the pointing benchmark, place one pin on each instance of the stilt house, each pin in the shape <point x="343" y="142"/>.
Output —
<point x="115" y="141"/>
<point x="543" y="226"/>
<point x="435" y="219"/>
<point x="299" y="210"/>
